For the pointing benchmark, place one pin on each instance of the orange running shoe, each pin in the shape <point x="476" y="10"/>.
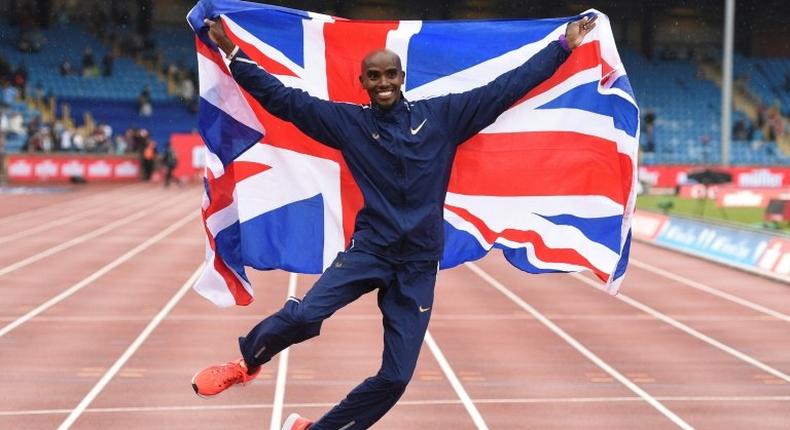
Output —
<point x="296" y="422"/>
<point x="216" y="379"/>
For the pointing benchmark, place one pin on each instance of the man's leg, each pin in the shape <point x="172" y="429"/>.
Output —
<point x="406" y="306"/>
<point x="352" y="274"/>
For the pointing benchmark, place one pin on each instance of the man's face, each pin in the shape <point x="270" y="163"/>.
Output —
<point x="382" y="77"/>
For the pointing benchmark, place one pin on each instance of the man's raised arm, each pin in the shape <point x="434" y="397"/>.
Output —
<point x="315" y="117"/>
<point x="467" y="113"/>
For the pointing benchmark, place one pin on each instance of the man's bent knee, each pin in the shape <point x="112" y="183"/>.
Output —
<point x="393" y="385"/>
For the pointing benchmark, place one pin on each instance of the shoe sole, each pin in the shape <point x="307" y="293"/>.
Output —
<point x="290" y="421"/>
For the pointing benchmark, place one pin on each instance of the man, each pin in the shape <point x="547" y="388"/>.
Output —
<point x="400" y="154"/>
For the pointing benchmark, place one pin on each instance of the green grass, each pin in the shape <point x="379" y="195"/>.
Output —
<point x="706" y="208"/>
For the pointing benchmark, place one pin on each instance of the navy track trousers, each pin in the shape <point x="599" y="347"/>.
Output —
<point x="405" y="297"/>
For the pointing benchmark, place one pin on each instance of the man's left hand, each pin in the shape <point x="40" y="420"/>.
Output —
<point x="576" y="30"/>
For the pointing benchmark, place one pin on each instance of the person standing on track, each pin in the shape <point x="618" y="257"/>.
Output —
<point x="400" y="153"/>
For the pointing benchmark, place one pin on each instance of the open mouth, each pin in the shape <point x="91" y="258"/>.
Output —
<point x="385" y="94"/>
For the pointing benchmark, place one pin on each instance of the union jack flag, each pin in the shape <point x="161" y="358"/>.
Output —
<point x="550" y="183"/>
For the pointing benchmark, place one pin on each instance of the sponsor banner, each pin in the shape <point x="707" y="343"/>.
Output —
<point x="749" y="197"/>
<point x="776" y="258"/>
<point x="751" y="250"/>
<point x="734" y="196"/>
<point x="191" y="154"/>
<point x="740" y="247"/>
<point x="62" y="167"/>
<point x="646" y="225"/>
<point x="668" y="176"/>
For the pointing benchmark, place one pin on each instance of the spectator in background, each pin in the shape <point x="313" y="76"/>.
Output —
<point x="144" y="106"/>
<point x="19" y="78"/>
<point x="31" y="40"/>
<point x="65" y="68"/>
<point x="169" y="162"/>
<point x="148" y="158"/>
<point x="775" y="124"/>
<point x="16" y="125"/>
<point x="3" y="131"/>
<point x="3" y="120"/>
<point x="88" y="63"/>
<point x="138" y="138"/>
<point x="33" y="126"/>
<point x="739" y="131"/>
<point x="120" y="145"/>
<point x="186" y="89"/>
<point x="8" y="93"/>
<point x="761" y="116"/>
<point x="66" y="140"/>
<point x="38" y="92"/>
<point x="649" y="130"/>
<point x="106" y="64"/>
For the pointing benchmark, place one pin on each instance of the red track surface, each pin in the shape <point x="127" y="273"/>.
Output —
<point x="83" y="342"/>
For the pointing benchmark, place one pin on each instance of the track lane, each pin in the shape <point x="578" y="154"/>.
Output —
<point x="152" y="390"/>
<point x="21" y="210"/>
<point x="76" y="234"/>
<point x="82" y="350"/>
<point x="758" y="289"/>
<point x="40" y="280"/>
<point x="14" y="233"/>
<point x="519" y="358"/>
<point x="194" y="335"/>
<point x="664" y="360"/>
<point x="743" y="328"/>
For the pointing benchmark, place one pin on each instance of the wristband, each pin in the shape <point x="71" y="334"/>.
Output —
<point x="233" y="53"/>
<point x="564" y="43"/>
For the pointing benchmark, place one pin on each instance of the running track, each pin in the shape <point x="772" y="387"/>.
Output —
<point x="98" y="330"/>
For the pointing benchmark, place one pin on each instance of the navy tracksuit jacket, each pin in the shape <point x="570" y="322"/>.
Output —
<point x="401" y="160"/>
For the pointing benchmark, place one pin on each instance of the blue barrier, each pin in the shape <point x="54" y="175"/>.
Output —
<point x="755" y="251"/>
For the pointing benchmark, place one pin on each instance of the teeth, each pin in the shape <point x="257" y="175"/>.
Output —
<point x="385" y="93"/>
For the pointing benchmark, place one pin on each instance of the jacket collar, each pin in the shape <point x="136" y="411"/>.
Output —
<point x="398" y="108"/>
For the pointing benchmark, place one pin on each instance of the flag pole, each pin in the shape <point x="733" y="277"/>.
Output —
<point x="726" y="82"/>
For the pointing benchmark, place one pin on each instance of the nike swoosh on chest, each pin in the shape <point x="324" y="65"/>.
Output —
<point x="416" y="130"/>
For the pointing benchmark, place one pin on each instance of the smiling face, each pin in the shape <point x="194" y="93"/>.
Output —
<point x="382" y="77"/>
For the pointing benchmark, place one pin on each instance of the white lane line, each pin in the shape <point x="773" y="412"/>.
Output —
<point x="710" y="290"/>
<point x="56" y="207"/>
<point x="692" y="332"/>
<point x="579" y="347"/>
<point x="438" y="402"/>
<point x="105" y="379"/>
<point x="97" y="274"/>
<point x="282" y="371"/>
<point x="455" y="383"/>
<point x="372" y="317"/>
<point x="64" y="220"/>
<point x="85" y="237"/>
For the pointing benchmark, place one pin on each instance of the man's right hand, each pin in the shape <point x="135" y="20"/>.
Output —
<point x="217" y="34"/>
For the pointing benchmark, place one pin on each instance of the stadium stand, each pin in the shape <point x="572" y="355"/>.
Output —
<point x="50" y="99"/>
<point x="766" y="78"/>
<point x="680" y="104"/>
<point x="688" y="132"/>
